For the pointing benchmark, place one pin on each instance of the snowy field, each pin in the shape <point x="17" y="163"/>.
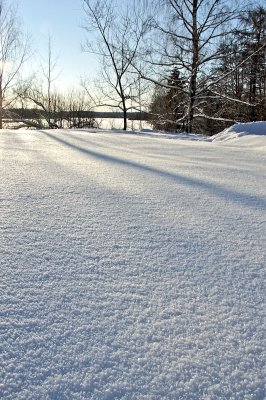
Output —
<point x="132" y="266"/>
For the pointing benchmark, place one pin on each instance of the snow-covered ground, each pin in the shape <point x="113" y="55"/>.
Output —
<point x="132" y="266"/>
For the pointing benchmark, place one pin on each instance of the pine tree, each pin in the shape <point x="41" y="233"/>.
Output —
<point x="167" y="105"/>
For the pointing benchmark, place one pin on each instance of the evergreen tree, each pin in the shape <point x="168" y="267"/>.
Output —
<point x="241" y="72"/>
<point x="167" y="105"/>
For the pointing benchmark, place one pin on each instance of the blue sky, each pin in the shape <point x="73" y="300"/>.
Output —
<point x="63" y="20"/>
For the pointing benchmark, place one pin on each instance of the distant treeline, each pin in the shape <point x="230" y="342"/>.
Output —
<point x="35" y="113"/>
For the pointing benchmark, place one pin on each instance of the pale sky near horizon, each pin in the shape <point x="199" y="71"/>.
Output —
<point x="62" y="19"/>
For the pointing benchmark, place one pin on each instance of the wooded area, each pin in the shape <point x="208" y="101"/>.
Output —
<point x="192" y="65"/>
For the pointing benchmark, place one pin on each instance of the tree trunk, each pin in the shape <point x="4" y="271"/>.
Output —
<point x="122" y="95"/>
<point x="124" y="119"/>
<point x="194" y="67"/>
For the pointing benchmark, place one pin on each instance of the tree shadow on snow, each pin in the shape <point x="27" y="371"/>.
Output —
<point x="217" y="190"/>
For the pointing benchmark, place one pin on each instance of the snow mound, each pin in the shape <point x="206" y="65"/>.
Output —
<point x="239" y="130"/>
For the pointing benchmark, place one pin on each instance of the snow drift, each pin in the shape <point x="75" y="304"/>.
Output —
<point x="240" y="130"/>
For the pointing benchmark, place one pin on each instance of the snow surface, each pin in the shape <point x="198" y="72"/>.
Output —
<point x="132" y="266"/>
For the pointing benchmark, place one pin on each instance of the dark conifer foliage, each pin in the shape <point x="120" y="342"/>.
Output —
<point x="229" y="83"/>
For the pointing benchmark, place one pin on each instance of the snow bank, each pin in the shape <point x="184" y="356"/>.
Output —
<point x="240" y="130"/>
<point x="251" y="135"/>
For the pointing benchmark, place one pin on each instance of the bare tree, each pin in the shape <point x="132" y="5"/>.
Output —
<point x="50" y="77"/>
<point x="188" y="34"/>
<point x="76" y="110"/>
<point x="239" y="88"/>
<point x="57" y="110"/>
<point x="118" y="37"/>
<point x="13" y="53"/>
<point x="41" y="92"/>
